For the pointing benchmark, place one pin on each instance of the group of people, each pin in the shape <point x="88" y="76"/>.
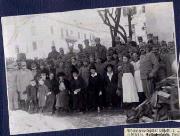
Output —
<point x="95" y="78"/>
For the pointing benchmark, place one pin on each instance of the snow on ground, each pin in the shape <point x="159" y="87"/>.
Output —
<point x="22" y="122"/>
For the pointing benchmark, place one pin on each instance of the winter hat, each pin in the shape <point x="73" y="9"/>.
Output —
<point x="92" y="67"/>
<point x="74" y="70"/>
<point x="60" y="74"/>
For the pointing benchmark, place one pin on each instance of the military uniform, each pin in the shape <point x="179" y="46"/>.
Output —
<point x="100" y="52"/>
<point x="148" y="64"/>
<point x="90" y="50"/>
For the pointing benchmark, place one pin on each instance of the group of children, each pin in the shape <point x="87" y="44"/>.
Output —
<point x="79" y="82"/>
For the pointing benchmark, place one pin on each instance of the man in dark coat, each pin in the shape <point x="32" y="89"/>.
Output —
<point x="108" y="61"/>
<point x="99" y="66"/>
<point x="61" y="53"/>
<point x="149" y="65"/>
<point x="89" y="50"/>
<point x="120" y="48"/>
<point x="69" y="57"/>
<point x="53" y="55"/>
<point x="81" y="55"/>
<point x="100" y="50"/>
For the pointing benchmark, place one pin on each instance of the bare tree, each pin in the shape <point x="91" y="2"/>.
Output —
<point x="130" y="11"/>
<point x="111" y="17"/>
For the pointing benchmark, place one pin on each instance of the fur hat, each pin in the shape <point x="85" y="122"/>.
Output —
<point x="60" y="74"/>
<point x="92" y="67"/>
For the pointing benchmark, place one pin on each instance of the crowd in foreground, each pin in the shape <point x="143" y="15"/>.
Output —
<point x="93" y="79"/>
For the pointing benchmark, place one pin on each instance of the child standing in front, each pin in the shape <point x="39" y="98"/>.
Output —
<point x="42" y="95"/>
<point x="31" y="91"/>
<point x="77" y="88"/>
<point x="130" y="95"/>
<point x="94" y="90"/>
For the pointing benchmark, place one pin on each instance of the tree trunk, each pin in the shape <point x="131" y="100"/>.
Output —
<point x="118" y="15"/>
<point x="130" y="25"/>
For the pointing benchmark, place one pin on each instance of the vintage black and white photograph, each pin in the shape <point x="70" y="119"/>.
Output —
<point x="91" y="68"/>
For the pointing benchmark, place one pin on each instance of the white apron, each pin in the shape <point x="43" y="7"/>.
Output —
<point x="138" y="81"/>
<point x="129" y="88"/>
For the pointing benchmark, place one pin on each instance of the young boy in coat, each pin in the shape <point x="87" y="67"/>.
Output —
<point x="53" y="90"/>
<point x="31" y="91"/>
<point x="42" y="95"/>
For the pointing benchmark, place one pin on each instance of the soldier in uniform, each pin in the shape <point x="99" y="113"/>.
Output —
<point x="89" y="49"/>
<point x="61" y="53"/>
<point x="53" y="55"/>
<point x="81" y="55"/>
<point x="24" y="76"/>
<point x="119" y="47"/>
<point x="68" y="59"/>
<point x="148" y="68"/>
<point x="109" y="60"/>
<point x="100" y="50"/>
<point x="99" y="66"/>
<point x="12" y="87"/>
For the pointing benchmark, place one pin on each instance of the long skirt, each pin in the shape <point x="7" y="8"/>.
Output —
<point x="62" y="100"/>
<point x="129" y="89"/>
<point x="138" y="81"/>
<point x="50" y="102"/>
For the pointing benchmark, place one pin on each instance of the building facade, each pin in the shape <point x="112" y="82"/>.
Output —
<point x="138" y="22"/>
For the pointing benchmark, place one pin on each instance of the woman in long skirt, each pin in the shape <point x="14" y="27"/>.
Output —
<point x="130" y="95"/>
<point x="62" y="98"/>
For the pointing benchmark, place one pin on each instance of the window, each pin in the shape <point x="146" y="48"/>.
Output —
<point x="84" y="36"/>
<point x="90" y="37"/>
<point x="143" y="9"/>
<point x="67" y="33"/>
<point x="34" y="45"/>
<point x="134" y="10"/>
<point x="27" y="50"/>
<point x="124" y="11"/>
<point x="71" y="32"/>
<point x="62" y="33"/>
<point x="17" y="49"/>
<point x="79" y="36"/>
<point x="129" y="10"/>
<point x="52" y="30"/>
